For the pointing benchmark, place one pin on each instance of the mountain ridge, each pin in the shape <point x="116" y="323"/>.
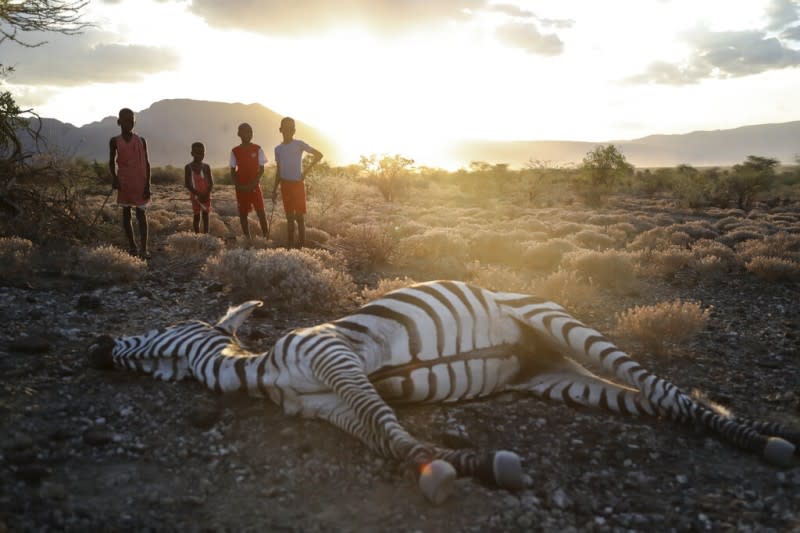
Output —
<point x="171" y="125"/>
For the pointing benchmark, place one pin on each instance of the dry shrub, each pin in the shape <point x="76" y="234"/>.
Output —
<point x="408" y="228"/>
<point x="546" y="255"/>
<point x="607" y="220"/>
<point x="626" y="227"/>
<point x="680" y="238"/>
<point x="437" y="249"/>
<point x="565" y="228"/>
<point x="366" y="245"/>
<point x="653" y="239"/>
<point x="663" y="263"/>
<point x="217" y="227"/>
<point x="726" y="224"/>
<point x="696" y="229"/>
<point x="315" y="235"/>
<point x="294" y="279"/>
<point x="186" y="244"/>
<point x="109" y="264"/>
<point x="492" y="247"/>
<point x="781" y="245"/>
<point x="566" y="288"/>
<point x="531" y="224"/>
<point x="496" y="277"/>
<point x="385" y="285"/>
<point x="705" y="250"/>
<point x="160" y="221"/>
<point x="654" y="326"/>
<point x="593" y="240"/>
<point x="774" y="268"/>
<point x="732" y="238"/>
<point x="15" y="256"/>
<point x="609" y="268"/>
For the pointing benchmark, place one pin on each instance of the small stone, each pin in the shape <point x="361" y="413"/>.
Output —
<point x="87" y="302"/>
<point x="32" y="474"/>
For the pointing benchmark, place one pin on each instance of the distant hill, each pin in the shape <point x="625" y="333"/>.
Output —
<point x="170" y="126"/>
<point x="699" y="148"/>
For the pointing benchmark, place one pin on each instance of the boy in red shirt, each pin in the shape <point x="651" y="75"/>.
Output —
<point x="130" y="175"/>
<point x="197" y="178"/>
<point x="247" y="167"/>
<point x="290" y="174"/>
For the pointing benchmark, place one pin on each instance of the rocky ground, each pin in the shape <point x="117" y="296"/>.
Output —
<point x="85" y="450"/>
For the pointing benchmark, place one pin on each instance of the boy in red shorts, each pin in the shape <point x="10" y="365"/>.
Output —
<point x="247" y="167"/>
<point x="290" y="174"/>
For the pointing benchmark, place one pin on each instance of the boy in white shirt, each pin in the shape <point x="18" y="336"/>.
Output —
<point x="290" y="174"/>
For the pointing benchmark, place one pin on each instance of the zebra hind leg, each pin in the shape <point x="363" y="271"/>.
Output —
<point x="361" y="412"/>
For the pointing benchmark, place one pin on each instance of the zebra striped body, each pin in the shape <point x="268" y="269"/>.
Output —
<point x="441" y="341"/>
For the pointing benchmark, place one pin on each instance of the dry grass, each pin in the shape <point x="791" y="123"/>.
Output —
<point x="108" y="264"/>
<point x="366" y="246"/>
<point x="384" y="286"/>
<point x="656" y="326"/>
<point x="497" y="278"/>
<point x="186" y="244"/>
<point x="546" y="255"/>
<point x="780" y="245"/>
<point x="774" y="268"/>
<point x="294" y="279"/>
<point x="609" y="268"/>
<point x="15" y="256"/>
<point x="566" y="288"/>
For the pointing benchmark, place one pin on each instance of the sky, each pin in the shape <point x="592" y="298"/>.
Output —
<point x="411" y="76"/>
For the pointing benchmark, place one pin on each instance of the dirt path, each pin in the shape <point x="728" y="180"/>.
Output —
<point x="86" y="450"/>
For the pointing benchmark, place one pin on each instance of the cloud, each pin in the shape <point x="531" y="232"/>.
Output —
<point x="85" y="58"/>
<point x="527" y="37"/>
<point x="781" y="13"/>
<point x="723" y="54"/>
<point x="511" y="10"/>
<point x="311" y="16"/>
<point x="792" y="33"/>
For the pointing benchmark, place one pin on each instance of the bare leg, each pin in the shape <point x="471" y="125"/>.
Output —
<point x="245" y="225"/>
<point x="205" y="222"/>
<point x="301" y="230"/>
<point x="141" y="218"/>
<point x="196" y="222"/>
<point x="262" y="221"/>
<point x="128" y="228"/>
<point x="290" y="230"/>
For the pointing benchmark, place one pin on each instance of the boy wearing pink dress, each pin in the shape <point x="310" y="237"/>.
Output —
<point x="130" y="176"/>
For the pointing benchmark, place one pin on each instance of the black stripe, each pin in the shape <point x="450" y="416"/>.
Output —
<point x="430" y="311"/>
<point x="241" y="374"/>
<point x="442" y="299"/>
<point x="380" y="311"/>
<point x="455" y="290"/>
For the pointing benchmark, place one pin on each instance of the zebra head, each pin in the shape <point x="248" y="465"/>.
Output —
<point x="170" y="353"/>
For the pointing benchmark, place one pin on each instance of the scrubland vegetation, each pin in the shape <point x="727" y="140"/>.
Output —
<point x="602" y="238"/>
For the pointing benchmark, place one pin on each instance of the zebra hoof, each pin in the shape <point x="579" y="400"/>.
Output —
<point x="100" y="353"/>
<point x="503" y="469"/>
<point x="779" y="452"/>
<point x="436" y="481"/>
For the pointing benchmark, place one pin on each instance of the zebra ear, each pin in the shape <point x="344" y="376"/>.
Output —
<point x="236" y="316"/>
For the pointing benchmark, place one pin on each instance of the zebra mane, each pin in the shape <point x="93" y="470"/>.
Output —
<point x="236" y="316"/>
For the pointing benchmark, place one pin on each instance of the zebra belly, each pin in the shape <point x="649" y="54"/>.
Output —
<point x="449" y="379"/>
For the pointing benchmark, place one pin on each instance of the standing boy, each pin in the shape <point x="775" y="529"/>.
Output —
<point x="247" y="167"/>
<point x="197" y="178"/>
<point x="290" y="174"/>
<point x="130" y="175"/>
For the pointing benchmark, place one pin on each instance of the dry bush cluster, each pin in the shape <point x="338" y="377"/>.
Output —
<point x="656" y="326"/>
<point x="366" y="246"/>
<point x="108" y="264"/>
<point x="15" y="256"/>
<point x="294" y="279"/>
<point x="385" y="285"/>
<point x="189" y="245"/>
